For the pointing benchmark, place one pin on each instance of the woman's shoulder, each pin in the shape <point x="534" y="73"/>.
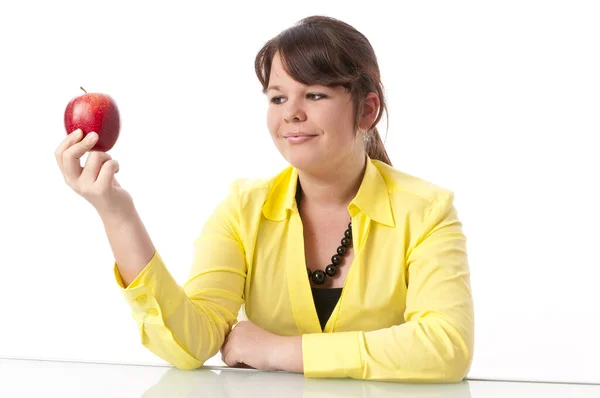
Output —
<point x="404" y="186"/>
<point x="259" y="188"/>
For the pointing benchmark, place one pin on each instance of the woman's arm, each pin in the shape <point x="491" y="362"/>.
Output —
<point x="130" y="243"/>
<point x="435" y="344"/>
<point x="185" y="325"/>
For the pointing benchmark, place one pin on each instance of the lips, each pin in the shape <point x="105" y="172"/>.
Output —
<point x="298" y="139"/>
<point x="288" y="135"/>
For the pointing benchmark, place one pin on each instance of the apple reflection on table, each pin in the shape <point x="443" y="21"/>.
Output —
<point x="233" y="383"/>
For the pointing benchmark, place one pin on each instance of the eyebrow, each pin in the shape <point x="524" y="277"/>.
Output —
<point x="276" y="88"/>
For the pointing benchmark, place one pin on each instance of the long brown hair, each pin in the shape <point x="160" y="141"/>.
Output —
<point x="326" y="51"/>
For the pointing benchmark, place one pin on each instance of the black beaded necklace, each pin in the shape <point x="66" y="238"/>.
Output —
<point x="318" y="276"/>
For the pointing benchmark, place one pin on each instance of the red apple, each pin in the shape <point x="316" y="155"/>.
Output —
<point x="94" y="112"/>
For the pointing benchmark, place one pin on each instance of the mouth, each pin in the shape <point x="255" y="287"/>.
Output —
<point x="299" y="138"/>
<point x="298" y="134"/>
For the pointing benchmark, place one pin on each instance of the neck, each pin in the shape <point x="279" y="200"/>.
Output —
<point x="335" y="187"/>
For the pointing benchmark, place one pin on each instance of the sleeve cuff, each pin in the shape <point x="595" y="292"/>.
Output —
<point x="153" y="294"/>
<point x="332" y="355"/>
<point x="140" y="277"/>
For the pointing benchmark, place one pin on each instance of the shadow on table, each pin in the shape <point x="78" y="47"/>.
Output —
<point x="232" y="383"/>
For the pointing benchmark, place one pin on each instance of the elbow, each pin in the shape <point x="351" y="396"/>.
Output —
<point x="455" y="371"/>
<point x="172" y="352"/>
<point x="446" y="367"/>
<point x="175" y="356"/>
<point x="454" y="358"/>
<point x="450" y="355"/>
<point x="187" y="365"/>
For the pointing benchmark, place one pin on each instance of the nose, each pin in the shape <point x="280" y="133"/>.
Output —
<point x="293" y="112"/>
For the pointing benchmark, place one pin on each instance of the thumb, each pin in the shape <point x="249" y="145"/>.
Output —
<point x="107" y="172"/>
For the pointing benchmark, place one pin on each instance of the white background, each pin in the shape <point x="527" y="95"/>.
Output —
<point x="498" y="101"/>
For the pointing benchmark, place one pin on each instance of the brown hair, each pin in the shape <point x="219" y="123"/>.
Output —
<point x="326" y="51"/>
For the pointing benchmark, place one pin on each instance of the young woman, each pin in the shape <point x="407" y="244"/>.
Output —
<point x="344" y="265"/>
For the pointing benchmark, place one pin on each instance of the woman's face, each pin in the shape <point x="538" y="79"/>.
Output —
<point x="312" y="126"/>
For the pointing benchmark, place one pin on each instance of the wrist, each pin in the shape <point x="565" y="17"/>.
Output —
<point x="115" y="218"/>
<point x="287" y="354"/>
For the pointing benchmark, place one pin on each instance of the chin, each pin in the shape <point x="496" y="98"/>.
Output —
<point x="303" y="161"/>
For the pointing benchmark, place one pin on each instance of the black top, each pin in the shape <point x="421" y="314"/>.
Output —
<point x="325" y="301"/>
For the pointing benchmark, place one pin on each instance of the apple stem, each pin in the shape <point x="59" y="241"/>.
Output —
<point x="83" y="89"/>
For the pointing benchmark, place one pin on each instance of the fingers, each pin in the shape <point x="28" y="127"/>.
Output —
<point x="69" y="140"/>
<point x="107" y="173"/>
<point x="242" y="365"/>
<point x="226" y="351"/>
<point x="93" y="164"/>
<point x="229" y="359"/>
<point x="70" y="157"/>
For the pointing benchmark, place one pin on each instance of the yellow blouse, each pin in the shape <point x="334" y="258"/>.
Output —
<point x="406" y="309"/>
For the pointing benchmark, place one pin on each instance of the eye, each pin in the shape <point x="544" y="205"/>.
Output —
<point x="313" y="95"/>
<point x="276" y="100"/>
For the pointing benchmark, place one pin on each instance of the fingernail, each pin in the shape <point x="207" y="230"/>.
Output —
<point x="91" y="136"/>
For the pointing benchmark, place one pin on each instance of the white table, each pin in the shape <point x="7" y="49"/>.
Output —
<point x="42" y="378"/>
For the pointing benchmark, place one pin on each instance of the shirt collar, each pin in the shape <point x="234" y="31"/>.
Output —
<point x="282" y="196"/>
<point x="372" y="198"/>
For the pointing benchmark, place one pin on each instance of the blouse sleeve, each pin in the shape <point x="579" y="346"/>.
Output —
<point x="186" y="325"/>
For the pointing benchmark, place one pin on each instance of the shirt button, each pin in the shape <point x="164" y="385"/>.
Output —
<point x="152" y="312"/>
<point x="141" y="299"/>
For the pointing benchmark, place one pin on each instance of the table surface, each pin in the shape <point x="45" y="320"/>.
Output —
<point x="42" y="378"/>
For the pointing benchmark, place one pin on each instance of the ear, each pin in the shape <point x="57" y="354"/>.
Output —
<point x="370" y="110"/>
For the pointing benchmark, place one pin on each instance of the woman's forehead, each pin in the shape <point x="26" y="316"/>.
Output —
<point x="279" y="79"/>
<point x="277" y="69"/>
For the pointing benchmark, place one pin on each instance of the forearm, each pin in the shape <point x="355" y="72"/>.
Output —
<point x="432" y="350"/>
<point x="184" y="327"/>
<point x="130" y="243"/>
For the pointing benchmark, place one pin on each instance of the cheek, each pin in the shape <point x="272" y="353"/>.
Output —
<point x="337" y="119"/>
<point x="272" y="120"/>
